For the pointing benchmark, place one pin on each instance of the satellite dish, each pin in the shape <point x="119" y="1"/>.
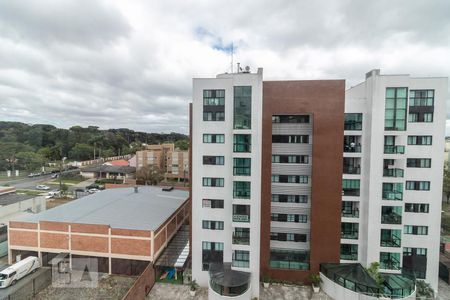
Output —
<point x="247" y="69"/>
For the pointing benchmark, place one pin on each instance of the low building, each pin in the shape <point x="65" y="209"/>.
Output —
<point x="123" y="229"/>
<point x="108" y="172"/>
<point x="174" y="163"/>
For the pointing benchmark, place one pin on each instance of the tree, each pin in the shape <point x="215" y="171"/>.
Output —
<point x="150" y="175"/>
<point x="424" y="289"/>
<point x="446" y="184"/>
<point x="182" y="144"/>
<point x="81" y="152"/>
<point x="374" y="272"/>
<point x="29" y="160"/>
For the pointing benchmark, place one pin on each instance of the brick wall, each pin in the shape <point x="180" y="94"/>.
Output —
<point x="142" y="285"/>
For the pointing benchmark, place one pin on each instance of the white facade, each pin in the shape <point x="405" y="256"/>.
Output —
<point x="200" y="171"/>
<point x="369" y="98"/>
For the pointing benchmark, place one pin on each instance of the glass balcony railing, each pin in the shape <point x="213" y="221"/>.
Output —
<point x="351" y="234"/>
<point x="391" y="218"/>
<point x="241" y="218"/>
<point x="392" y="195"/>
<point x="393" y="172"/>
<point x="354" y="213"/>
<point x="391" y="241"/>
<point x="350" y="192"/>
<point x="241" y="240"/>
<point x="352" y="148"/>
<point x="349" y="256"/>
<point x="352" y="170"/>
<point x="388" y="149"/>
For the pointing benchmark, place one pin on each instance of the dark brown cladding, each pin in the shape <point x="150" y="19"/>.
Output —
<point x="324" y="99"/>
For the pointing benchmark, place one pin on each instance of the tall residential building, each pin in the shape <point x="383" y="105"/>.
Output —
<point x="260" y="200"/>
<point x="392" y="181"/>
<point x="173" y="162"/>
<point x="293" y="178"/>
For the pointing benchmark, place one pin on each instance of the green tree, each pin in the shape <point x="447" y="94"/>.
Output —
<point x="29" y="161"/>
<point x="81" y="152"/>
<point x="150" y="175"/>
<point x="374" y="272"/>
<point x="446" y="184"/>
<point x="182" y="144"/>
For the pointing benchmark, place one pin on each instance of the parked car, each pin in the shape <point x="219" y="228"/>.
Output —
<point x="95" y="186"/>
<point x="55" y="193"/>
<point x="10" y="275"/>
<point x="92" y="191"/>
<point x="42" y="187"/>
<point x="55" y="175"/>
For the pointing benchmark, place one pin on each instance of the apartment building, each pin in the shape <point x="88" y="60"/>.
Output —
<point x="173" y="162"/>
<point x="392" y="174"/>
<point x="258" y="149"/>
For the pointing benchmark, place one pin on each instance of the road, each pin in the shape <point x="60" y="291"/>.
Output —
<point x="31" y="183"/>
<point x="4" y="293"/>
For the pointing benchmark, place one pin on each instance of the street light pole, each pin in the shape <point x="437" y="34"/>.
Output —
<point x="60" y="173"/>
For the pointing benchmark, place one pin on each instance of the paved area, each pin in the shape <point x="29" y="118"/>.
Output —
<point x="4" y="293"/>
<point x="111" y="287"/>
<point x="165" y="291"/>
<point x="444" y="290"/>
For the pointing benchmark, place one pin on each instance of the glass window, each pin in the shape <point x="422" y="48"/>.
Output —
<point x="242" y="107"/>
<point x="213" y="97"/>
<point x="241" y="189"/>
<point x="421" y="98"/>
<point x="418" y="162"/>
<point x="416" y="230"/>
<point x="418" y="185"/>
<point x="241" y="259"/>
<point x="395" y="109"/>
<point x="353" y="121"/>
<point x="417" y="207"/>
<point x="291" y="139"/>
<point x="212" y="203"/>
<point x="241" y="166"/>
<point x="420" y="139"/>
<point x="212" y="225"/>
<point x="213" y="182"/>
<point x="242" y="143"/>
<point x="290" y="198"/>
<point x="213" y="160"/>
<point x="214" y="138"/>
<point x="290" y="119"/>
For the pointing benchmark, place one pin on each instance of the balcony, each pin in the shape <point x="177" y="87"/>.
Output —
<point x="393" y="172"/>
<point x="354" y="213"/>
<point x="349" y="148"/>
<point x="350" y="192"/>
<point x="349" y="256"/>
<point x="350" y="234"/>
<point x="241" y="218"/>
<point x="391" y="217"/>
<point x="351" y="170"/>
<point x="241" y="240"/>
<point x="392" y="195"/>
<point x="391" y="149"/>
<point x="390" y="238"/>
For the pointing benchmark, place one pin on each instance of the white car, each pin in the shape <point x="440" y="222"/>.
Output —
<point x="42" y="187"/>
<point x="92" y="191"/>
<point x="55" y="193"/>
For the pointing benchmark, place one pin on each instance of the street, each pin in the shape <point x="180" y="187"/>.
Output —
<point x="31" y="183"/>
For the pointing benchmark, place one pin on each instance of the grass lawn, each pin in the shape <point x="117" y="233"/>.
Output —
<point x="445" y="221"/>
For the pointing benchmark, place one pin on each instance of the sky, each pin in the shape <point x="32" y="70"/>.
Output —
<point x="130" y="64"/>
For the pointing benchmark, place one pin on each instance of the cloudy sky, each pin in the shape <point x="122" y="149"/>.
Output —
<point x="131" y="63"/>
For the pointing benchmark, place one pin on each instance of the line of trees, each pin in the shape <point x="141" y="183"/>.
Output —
<point x="24" y="146"/>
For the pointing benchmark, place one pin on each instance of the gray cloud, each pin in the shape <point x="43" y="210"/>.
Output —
<point x="131" y="63"/>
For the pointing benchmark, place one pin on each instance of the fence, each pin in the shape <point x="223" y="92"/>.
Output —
<point x="142" y="285"/>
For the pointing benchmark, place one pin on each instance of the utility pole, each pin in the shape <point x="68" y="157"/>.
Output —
<point x="60" y="173"/>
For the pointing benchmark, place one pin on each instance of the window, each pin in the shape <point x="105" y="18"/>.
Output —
<point x="349" y="230"/>
<point x="241" y="189"/>
<point x="241" y="213"/>
<point x="407" y="251"/>
<point x="213" y="138"/>
<point x="417" y="207"/>
<point x="418" y="162"/>
<point x="390" y="238"/>
<point x="241" y="259"/>
<point x="290" y="159"/>
<point x="213" y="115"/>
<point x="212" y="203"/>
<point x="290" y="119"/>
<point x="212" y="252"/>
<point x="213" y="160"/>
<point x="241" y="166"/>
<point x="289" y="259"/>
<point x="418" y="185"/>
<point x="416" y="230"/>
<point x="419" y="139"/>
<point x="289" y="237"/>
<point x="389" y="261"/>
<point x="295" y="218"/>
<point x="421" y="98"/>
<point x="215" y="182"/>
<point x="290" y="198"/>
<point x="242" y="143"/>
<point x="420" y="117"/>
<point x="291" y="139"/>
<point x="241" y="236"/>
<point x="349" y="252"/>
<point x="353" y="121"/>
<point x="242" y="107"/>
<point x="395" y="109"/>
<point x="290" y="178"/>
<point x="213" y="225"/>
<point x="350" y="187"/>
<point x="213" y="97"/>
